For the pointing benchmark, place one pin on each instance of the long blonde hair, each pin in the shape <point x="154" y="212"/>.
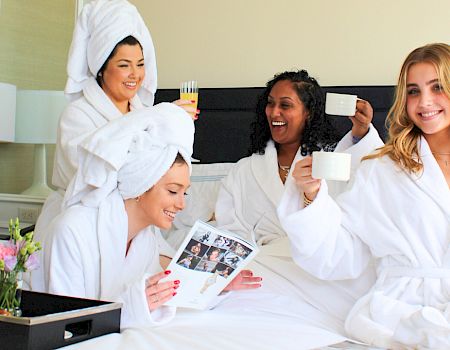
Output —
<point x="401" y="146"/>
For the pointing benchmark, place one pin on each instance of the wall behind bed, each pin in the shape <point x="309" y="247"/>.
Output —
<point x="242" y="43"/>
<point x="222" y="132"/>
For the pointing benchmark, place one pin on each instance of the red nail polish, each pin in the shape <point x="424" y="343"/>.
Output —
<point x="193" y="101"/>
<point x="176" y="282"/>
<point x="198" y="111"/>
<point x="167" y="272"/>
<point x="174" y="293"/>
<point x="176" y="287"/>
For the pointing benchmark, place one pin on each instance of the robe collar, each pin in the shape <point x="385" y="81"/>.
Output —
<point x="95" y="95"/>
<point x="265" y="171"/>
<point x="112" y="231"/>
<point x="432" y="180"/>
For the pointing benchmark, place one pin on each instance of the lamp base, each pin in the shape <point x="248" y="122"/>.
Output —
<point x="38" y="190"/>
<point x="39" y="186"/>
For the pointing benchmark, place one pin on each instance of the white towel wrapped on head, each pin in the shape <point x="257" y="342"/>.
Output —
<point x="131" y="154"/>
<point x="100" y="26"/>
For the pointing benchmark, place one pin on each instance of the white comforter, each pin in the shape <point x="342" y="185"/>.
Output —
<point x="259" y="319"/>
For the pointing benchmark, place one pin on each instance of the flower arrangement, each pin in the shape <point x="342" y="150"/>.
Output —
<point x="17" y="255"/>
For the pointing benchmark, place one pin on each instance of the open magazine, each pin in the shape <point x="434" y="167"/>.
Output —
<point x="207" y="260"/>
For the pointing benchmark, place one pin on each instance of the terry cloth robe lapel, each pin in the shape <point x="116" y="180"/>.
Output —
<point x="95" y="95"/>
<point x="112" y="242"/>
<point x="265" y="171"/>
<point x="432" y="181"/>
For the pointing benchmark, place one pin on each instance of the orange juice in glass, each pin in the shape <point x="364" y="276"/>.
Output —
<point x="189" y="91"/>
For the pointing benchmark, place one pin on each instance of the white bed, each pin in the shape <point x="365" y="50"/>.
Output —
<point x="258" y="319"/>
<point x="276" y="316"/>
<point x="272" y="317"/>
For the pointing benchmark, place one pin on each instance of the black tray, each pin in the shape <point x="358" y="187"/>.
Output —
<point x="51" y="321"/>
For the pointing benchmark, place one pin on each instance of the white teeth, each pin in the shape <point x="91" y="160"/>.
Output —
<point x="131" y="84"/>
<point x="278" y="123"/>
<point x="429" y="114"/>
<point x="170" y="213"/>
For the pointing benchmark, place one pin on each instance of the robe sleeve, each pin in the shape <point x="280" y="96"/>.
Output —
<point x="365" y="146"/>
<point x="135" y="311"/>
<point x="327" y="245"/>
<point x="74" y="126"/>
<point x="63" y="263"/>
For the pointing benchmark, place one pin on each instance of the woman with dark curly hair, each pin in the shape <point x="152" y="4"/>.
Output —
<point x="290" y="124"/>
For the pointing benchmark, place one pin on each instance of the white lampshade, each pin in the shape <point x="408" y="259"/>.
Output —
<point x="7" y="111"/>
<point x="37" y="114"/>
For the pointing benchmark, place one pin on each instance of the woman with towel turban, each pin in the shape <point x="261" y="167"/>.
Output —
<point x="111" y="71"/>
<point x="102" y="245"/>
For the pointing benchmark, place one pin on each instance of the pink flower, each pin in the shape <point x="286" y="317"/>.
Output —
<point x="10" y="263"/>
<point x="7" y="249"/>
<point x="32" y="262"/>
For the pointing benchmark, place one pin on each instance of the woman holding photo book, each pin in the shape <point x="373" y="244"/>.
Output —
<point x="102" y="245"/>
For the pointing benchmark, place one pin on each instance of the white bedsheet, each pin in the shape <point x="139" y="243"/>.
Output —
<point x="267" y="318"/>
<point x="220" y="329"/>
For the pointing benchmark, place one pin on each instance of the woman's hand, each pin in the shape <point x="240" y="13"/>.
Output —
<point x="244" y="280"/>
<point x="305" y="182"/>
<point x="159" y="293"/>
<point x="362" y="119"/>
<point x="188" y="107"/>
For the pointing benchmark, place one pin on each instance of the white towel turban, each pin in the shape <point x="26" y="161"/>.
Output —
<point x="100" y="26"/>
<point x="131" y="154"/>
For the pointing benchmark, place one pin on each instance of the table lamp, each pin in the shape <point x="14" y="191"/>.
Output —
<point x="37" y="114"/>
<point x="7" y="112"/>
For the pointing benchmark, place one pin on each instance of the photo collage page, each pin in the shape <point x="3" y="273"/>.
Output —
<point x="208" y="251"/>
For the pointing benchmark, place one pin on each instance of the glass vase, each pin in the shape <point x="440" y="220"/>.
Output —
<point x="10" y="293"/>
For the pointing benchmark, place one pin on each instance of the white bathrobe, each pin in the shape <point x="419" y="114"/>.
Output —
<point x="400" y="219"/>
<point x="250" y="195"/>
<point x="86" y="258"/>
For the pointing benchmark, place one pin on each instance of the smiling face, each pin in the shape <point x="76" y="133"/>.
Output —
<point x="286" y="114"/>
<point x="165" y="199"/>
<point x="426" y="103"/>
<point x="123" y="75"/>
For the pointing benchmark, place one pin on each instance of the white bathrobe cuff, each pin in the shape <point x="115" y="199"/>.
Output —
<point x="135" y="310"/>
<point x="367" y="144"/>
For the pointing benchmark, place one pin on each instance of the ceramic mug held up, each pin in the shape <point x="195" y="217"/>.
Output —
<point x="331" y="166"/>
<point x="340" y="104"/>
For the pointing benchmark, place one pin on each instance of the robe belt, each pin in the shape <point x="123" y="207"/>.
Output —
<point x="414" y="272"/>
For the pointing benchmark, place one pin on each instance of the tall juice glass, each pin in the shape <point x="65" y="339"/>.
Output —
<point x="189" y="91"/>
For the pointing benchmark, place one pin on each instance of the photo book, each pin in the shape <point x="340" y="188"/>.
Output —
<point x="206" y="262"/>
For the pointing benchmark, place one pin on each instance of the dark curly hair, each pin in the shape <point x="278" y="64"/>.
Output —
<point x="319" y="131"/>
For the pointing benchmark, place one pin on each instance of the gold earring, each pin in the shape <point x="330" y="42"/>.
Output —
<point x="138" y="198"/>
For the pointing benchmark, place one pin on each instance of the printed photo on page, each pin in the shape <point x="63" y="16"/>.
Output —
<point x="208" y="259"/>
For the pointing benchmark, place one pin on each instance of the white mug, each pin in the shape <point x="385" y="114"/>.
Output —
<point x="331" y="165"/>
<point x="340" y="104"/>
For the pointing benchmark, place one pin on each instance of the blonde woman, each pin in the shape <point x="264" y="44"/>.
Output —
<point x="398" y="212"/>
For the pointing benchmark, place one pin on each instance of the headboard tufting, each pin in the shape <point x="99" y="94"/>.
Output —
<point x="224" y="127"/>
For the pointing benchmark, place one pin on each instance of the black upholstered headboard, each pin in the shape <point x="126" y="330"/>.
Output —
<point x="224" y="127"/>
